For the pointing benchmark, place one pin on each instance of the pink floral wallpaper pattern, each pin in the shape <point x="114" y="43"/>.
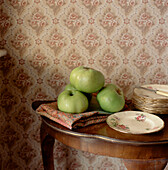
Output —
<point x="127" y="40"/>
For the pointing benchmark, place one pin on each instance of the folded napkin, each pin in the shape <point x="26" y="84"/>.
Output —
<point x="70" y="120"/>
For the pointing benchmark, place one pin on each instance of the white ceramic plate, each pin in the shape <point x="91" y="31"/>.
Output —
<point x="150" y="94"/>
<point x="135" y="122"/>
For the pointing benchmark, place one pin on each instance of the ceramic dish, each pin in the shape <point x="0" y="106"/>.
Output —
<point x="150" y="102"/>
<point x="150" y="94"/>
<point x="135" y="122"/>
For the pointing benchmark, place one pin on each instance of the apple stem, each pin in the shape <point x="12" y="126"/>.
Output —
<point x="118" y="91"/>
<point x="86" y="68"/>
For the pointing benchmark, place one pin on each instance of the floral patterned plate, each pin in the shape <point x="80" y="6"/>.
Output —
<point x="135" y="122"/>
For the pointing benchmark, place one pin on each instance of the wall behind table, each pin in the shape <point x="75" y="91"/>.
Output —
<point x="126" y="40"/>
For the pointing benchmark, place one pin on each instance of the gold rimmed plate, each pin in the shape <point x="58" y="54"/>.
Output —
<point x="148" y="91"/>
<point x="135" y="122"/>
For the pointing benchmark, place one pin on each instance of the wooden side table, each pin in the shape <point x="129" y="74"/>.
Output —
<point x="147" y="152"/>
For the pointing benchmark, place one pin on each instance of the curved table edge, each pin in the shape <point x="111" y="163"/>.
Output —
<point x="118" y="141"/>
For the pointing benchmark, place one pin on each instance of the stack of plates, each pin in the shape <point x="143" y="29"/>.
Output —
<point x="149" y="101"/>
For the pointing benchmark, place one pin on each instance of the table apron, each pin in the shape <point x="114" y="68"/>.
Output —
<point x="109" y="147"/>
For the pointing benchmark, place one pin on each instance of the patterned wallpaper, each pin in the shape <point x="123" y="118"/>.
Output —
<point x="126" y="40"/>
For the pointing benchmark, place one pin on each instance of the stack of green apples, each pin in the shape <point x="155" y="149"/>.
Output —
<point x="84" y="82"/>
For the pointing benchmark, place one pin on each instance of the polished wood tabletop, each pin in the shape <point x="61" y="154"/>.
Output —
<point x="147" y="151"/>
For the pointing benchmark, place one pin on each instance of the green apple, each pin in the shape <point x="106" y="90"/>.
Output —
<point x="71" y="87"/>
<point x="72" y="101"/>
<point x="87" y="80"/>
<point x="111" y="98"/>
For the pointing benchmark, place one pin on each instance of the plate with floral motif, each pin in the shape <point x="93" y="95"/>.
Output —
<point x="135" y="122"/>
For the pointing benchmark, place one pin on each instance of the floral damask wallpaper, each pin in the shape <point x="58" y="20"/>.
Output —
<point x="127" y="40"/>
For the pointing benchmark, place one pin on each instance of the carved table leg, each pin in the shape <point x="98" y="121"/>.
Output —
<point x="47" y="144"/>
<point x="158" y="164"/>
